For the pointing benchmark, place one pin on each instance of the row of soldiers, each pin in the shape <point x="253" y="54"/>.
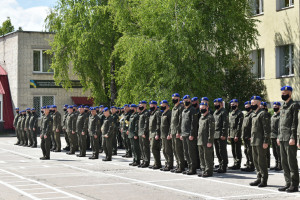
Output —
<point x="190" y="131"/>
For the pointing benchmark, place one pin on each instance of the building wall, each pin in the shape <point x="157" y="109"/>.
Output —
<point x="278" y="28"/>
<point x="9" y="61"/>
<point x="19" y="66"/>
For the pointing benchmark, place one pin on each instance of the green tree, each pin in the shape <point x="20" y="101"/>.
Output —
<point x="84" y="39"/>
<point x="6" y="27"/>
<point x="196" y="47"/>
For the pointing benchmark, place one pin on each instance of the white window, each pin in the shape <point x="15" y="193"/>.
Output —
<point x="39" y="101"/>
<point x="258" y="67"/>
<point x="41" y="61"/>
<point x="285" y="60"/>
<point x="1" y="107"/>
<point x="257" y="6"/>
<point x="284" y="4"/>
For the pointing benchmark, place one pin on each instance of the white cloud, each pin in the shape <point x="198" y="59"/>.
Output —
<point x="30" y="19"/>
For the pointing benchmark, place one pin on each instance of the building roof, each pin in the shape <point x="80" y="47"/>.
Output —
<point x="14" y="32"/>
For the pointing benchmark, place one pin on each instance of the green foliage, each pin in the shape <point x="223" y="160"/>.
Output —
<point x="6" y="27"/>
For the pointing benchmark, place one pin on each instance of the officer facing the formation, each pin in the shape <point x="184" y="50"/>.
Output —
<point x="221" y="133"/>
<point x="235" y="125"/>
<point x="56" y="116"/>
<point x="175" y="128"/>
<point x="154" y="129"/>
<point x="260" y="136"/>
<point x="115" y="131"/>
<point x="46" y="130"/>
<point x="33" y="127"/>
<point x="94" y="132"/>
<point x="17" y="116"/>
<point x="287" y="139"/>
<point x="124" y="124"/>
<point x="274" y="134"/>
<point x="71" y="130"/>
<point x="108" y="129"/>
<point x="132" y="133"/>
<point x="82" y="130"/>
<point x="205" y="141"/>
<point x="246" y="135"/>
<point x="64" y="128"/>
<point x="189" y="134"/>
<point x="144" y="133"/>
<point x="165" y="135"/>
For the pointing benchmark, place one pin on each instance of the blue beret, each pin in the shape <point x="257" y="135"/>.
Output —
<point x="66" y="105"/>
<point x="286" y="88"/>
<point x="32" y="108"/>
<point x="23" y="111"/>
<point x="277" y="103"/>
<point x="204" y="99"/>
<point x="44" y="107"/>
<point x="164" y="101"/>
<point x="234" y="101"/>
<point x="74" y="106"/>
<point x="101" y="106"/>
<point x="143" y="102"/>
<point x="105" y="109"/>
<point x="247" y="102"/>
<point x="220" y="100"/>
<point x="126" y="105"/>
<point x="81" y="106"/>
<point x="203" y="104"/>
<point x="186" y="97"/>
<point x="194" y="99"/>
<point x="256" y="98"/>
<point x="175" y="95"/>
<point x="113" y="107"/>
<point x="153" y="102"/>
<point x="70" y="106"/>
<point x="17" y="109"/>
<point x="48" y="106"/>
<point x="86" y="107"/>
<point x="263" y="103"/>
<point x="133" y="106"/>
<point x="181" y="102"/>
<point x="27" y="108"/>
<point x="92" y="108"/>
<point x="53" y="106"/>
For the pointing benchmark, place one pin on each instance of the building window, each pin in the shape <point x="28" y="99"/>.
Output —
<point x="281" y="4"/>
<point x="285" y="60"/>
<point x="258" y="67"/>
<point x="39" y="101"/>
<point x="1" y="107"/>
<point x="41" y="61"/>
<point x="257" y="6"/>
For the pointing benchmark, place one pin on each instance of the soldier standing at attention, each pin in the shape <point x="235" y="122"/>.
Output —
<point x="175" y="133"/>
<point x="264" y="106"/>
<point x="107" y="129"/>
<point x="124" y="128"/>
<point x="82" y="130"/>
<point x="206" y="140"/>
<point x="17" y="116"/>
<point x="144" y="133"/>
<point x="94" y="132"/>
<point x="23" y="128"/>
<point x="235" y="125"/>
<point x="154" y="130"/>
<point x="88" y="141"/>
<point x="132" y="133"/>
<point x="28" y="134"/>
<point x="20" y="131"/>
<point x="101" y="117"/>
<point x="189" y="133"/>
<point x="46" y="130"/>
<point x="221" y="133"/>
<point x="246" y="135"/>
<point x="287" y="139"/>
<point x="274" y="134"/>
<point x="56" y="116"/>
<point x="64" y="128"/>
<point x="165" y="135"/>
<point x="71" y="129"/>
<point x="115" y="131"/>
<point x="33" y="127"/>
<point x="260" y="136"/>
<point x="76" y="113"/>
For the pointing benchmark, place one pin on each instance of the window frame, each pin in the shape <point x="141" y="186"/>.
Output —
<point x="291" y="64"/>
<point x="256" y="61"/>
<point x="279" y="8"/>
<point x="41" y="102"/>
<point x="260" y="8"/>
<point x="41" y="62"/>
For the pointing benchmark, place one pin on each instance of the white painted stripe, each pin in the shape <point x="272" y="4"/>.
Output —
<point x="56" y="198"/>
<point x="16" y="182"/>
<point x="20" y="154"/>
<point x="18" y="190"/>
<point x="42" y="184"/>
<point x="25" y="185"/>
<point x="2" y="162"/>
<point x="144" y="182"/>
<point x="45" y="193"/>
<point x="34" y="189"/>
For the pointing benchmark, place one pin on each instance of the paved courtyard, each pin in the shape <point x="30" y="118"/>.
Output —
<point x="24" y="176"/>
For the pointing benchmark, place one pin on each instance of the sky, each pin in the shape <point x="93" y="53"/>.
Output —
<point x="28" y="14"/>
